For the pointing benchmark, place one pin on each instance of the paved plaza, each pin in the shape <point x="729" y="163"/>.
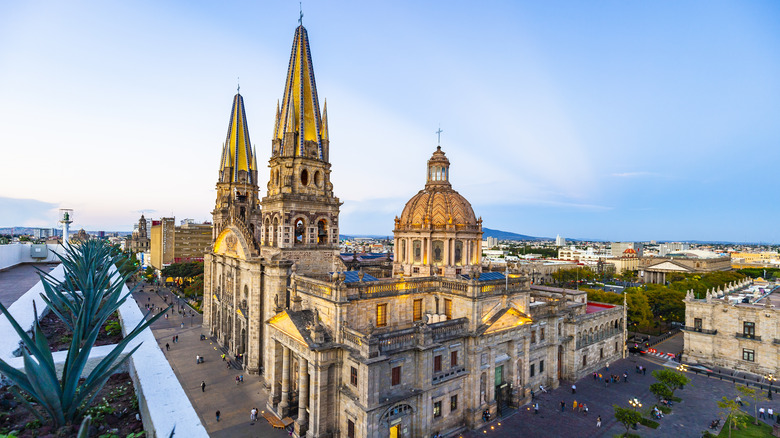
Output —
<point x="234" y="401"/>
<point x="17" y="280"/>
<point x="687" y="419"/>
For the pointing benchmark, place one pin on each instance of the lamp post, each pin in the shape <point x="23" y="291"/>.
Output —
<point x="635" y="403"/>
<point x="682" y="368"/>
<point x="770" y="378"/>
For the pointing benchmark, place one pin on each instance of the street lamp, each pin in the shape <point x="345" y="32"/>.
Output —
<point x="682" y="368"/>
<point x="770" y="378"/>
<point x="635" y="403"/>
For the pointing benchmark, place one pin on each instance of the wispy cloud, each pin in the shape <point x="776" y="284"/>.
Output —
<point x="635" y="174"/>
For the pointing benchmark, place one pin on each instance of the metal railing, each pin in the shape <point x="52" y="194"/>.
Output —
<point x="748" y="336"/>
<point x="699" y="330"/>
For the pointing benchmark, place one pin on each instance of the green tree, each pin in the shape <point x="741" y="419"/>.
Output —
<point x="628" y="417"/>
<point x="731" y="409"/>
<point x="149" y="274"/>
<point x="671" y="379"/>
<point x="754" y="394"/>
<point x="661" y="391"/>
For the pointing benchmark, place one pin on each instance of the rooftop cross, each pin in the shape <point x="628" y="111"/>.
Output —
<point x="300" y="18"/>
<point x="439" y="134"/>
<point x="238" y="81"/>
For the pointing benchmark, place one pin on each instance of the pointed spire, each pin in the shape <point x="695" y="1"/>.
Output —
<point x="276" y="121"/>
<point x="300" y="109"/>
<point x="237" y="153"/>
<point x="324" y="127"/>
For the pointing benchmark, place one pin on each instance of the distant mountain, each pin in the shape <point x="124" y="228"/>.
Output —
<point x="506" y="235"/>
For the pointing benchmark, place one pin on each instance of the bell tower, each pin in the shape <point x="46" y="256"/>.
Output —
<point x="300" y="213"/>
<point x="237" y="190"/>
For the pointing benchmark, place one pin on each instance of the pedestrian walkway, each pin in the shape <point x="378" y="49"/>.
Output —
<point x="222" y="393"/>
<point x="688" y="418"/>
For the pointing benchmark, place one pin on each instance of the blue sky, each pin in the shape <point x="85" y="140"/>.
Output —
<point x="610" y="120"/>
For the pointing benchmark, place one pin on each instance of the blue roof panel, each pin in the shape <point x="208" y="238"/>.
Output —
<point x="352" y="277"/>
<point x="486" y="276"/>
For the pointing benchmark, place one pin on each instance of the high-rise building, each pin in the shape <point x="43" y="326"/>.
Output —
<point x="171" y="244"/>
<point x="560" y="241"/>
<point x="347" y="354"/>
<point x="619" y="248"/>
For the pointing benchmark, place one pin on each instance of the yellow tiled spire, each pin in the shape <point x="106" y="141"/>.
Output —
<point x="237" y="152"/>
<point x="300" y="111"/>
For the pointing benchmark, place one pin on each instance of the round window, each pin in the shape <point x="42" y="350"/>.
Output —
<point x="305" y="177"/>
<point x="317" y="179"/>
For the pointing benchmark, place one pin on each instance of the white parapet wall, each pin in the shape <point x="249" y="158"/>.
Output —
<point x="161" y="399"/>
<point x="18" y="253"/>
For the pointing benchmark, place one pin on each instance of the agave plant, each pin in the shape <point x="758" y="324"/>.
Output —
<point x="89" y="282"/>
<point x="66" y="399"/>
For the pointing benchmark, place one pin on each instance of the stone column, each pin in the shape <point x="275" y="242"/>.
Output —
<point x="303" y="396"/>
<point x="318" y="423"/>
<point x="285" y="381"/>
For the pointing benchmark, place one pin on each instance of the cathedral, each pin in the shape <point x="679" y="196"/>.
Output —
<point x="346" y="354"/>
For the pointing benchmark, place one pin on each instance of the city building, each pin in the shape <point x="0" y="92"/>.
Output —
<point x="171" y="244"/>
<point x="737" y="328"/>
<point x="560" y="241"/>
<point x="346" y="354"/>
<point x="490" y="242"/>
<point x="139" y="240"/>
<point x="654" y="269"/>
<point x="670" y="247"/>
<point x="619" y="248"/>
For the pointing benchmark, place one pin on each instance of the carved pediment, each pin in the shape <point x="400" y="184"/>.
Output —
<point x="231" y="243"/>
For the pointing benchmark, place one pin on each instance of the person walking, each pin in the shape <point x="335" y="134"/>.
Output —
<point x="197" y="359"/>
<point x="598" y="421"/>
<point x="236" y="380"/>
<point x="167" y="347"/>
<point x="574" y="406"/>
<point x="761" y="413"/>
<point x="625" y="376"/>
<point x="241" y="378"/>
<point x="563" y="405"/>
<point x="536" y="408"/>
<point x="203" y="386"/>
<point x="217" y="416"/>
<point x="607" y="366"/>
<point x="739" y="401"/>
<point x="770" y="413"/>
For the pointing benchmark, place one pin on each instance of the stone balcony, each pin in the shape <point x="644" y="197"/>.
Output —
<point x="699" y="330"/>
<point x="340" y="291"/>
<point x="747" y="336"/>
<point x="418" y="336"/>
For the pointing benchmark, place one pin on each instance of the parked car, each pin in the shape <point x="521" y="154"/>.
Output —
<point x="637" y="349"/>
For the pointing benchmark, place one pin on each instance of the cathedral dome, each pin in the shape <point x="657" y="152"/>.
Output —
<point x="438" y="205"/>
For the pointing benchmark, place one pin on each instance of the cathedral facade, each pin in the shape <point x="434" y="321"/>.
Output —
<point x="348" y="355"/>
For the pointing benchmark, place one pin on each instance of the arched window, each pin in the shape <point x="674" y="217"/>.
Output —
<point x="300" y="231"/>
<point x="322" y="232"/>
<point x="483" y="388"/>
<point x="402" y="251"/>
<point x="275" y="237"/>
<point x="267" y="231"/>
<point x="417" y="250"/>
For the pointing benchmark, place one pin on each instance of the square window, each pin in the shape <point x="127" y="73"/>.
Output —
<point x="541" y="366"/>
<point x="541" y="334"/>
<point x="381" y="315"/>
<point x="533" y="336"/>
<point x="749" y="355"/>
<point x="697" y="324"/>
<point x="454" y="403"/>
<point x="448" y="308"/>
<point x="437" y="364"/>
<point x="417" y="310"/>
<point x="584" y="360"/>
<point x="437" y="409"/>
<point x="533" y="370"/>
<point x="453" y="358"/>
<point x="353" y="378"/>
<point x="350" y="429"/>
<point x="396" y="376"/>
